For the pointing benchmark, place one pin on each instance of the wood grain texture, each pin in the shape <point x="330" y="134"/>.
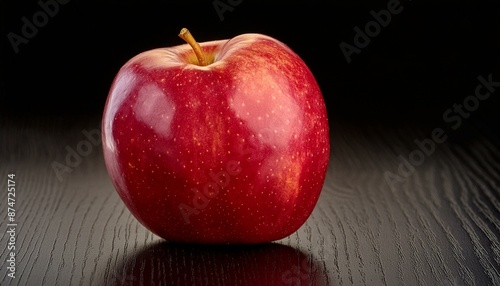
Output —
<point x="439" y="225"/>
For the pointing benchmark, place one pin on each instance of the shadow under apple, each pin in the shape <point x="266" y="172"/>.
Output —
<point x="167" y="263"/>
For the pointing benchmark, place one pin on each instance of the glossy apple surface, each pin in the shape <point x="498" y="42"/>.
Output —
<point x="232" y="152"/>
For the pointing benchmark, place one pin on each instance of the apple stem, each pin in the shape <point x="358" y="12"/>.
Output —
<point x="186" y="36"/>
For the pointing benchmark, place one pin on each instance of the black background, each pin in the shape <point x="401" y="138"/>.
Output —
<point x="424" y="61"/>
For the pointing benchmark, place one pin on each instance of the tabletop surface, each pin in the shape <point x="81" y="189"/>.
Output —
<point x="391" y="213"/>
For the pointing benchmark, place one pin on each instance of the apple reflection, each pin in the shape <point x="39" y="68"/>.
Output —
<point x="167" y="263"/>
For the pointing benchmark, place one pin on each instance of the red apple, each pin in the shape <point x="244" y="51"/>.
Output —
<point x="220" y="142"/>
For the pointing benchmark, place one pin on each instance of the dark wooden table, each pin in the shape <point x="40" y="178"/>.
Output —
<point x="388" y="215"/>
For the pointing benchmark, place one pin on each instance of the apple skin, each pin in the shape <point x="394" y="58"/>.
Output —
<point x="232" y="152"/>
